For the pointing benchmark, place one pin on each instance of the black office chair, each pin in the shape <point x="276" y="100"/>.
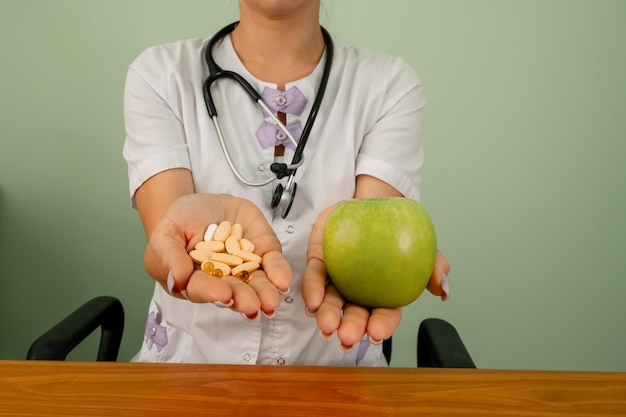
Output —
<point x="438" y="346"/>
<point x="438" y="343"/>
<point x="105" y="312"/>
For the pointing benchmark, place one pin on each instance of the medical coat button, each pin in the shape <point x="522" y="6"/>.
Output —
<point x="281" y="100"/>
<point x="290" y="229"/>
<point x="288" y="300"/>
<point x="280" y="136"/>
<point x="247" y="357"/>
<point x="280" y="361"/>
<point x="261" y="167"/>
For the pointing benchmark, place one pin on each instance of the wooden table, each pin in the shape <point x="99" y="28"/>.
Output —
<point x="34" y="388"/>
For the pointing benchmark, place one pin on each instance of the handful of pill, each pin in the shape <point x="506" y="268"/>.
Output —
<point x="224" y="251"/>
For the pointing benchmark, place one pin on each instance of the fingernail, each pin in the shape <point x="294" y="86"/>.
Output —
<point x="170" y="282"/>
<point x="345" y="348"/>
<point x="269" y="315"/>
<point x="224" y="305"/>
<point x="325" y="336"/>
<point x="281" y="292"/>
<point x="374" y="342"/>
<point x="445" y="286"/>
<point x="253" y="318"/>
<point x="308" y="312"/>
<point x="184" y="294"/>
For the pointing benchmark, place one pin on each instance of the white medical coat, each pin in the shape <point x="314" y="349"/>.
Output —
<point x="370" y="122"/>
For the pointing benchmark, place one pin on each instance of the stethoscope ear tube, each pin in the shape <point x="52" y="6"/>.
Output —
<point x="210" y="104"/>
<point x="208" y="99"/>
<point x="298" y="155"/>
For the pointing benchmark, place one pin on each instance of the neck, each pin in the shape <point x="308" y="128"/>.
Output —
<point x="279" y="48"/>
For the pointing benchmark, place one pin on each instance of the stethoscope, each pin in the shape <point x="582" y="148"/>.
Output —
<point x="283" y="195"/>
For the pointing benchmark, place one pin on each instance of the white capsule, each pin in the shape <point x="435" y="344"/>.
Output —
<point x="210" y="231"/>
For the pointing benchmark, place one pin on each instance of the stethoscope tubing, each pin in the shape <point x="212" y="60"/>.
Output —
<point x="212" y="110"/>
<point x="251" y="92"/>
<point x="283" y="196"/>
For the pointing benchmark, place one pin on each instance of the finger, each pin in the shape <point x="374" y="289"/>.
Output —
<point x="205" y="288"/>
<point x="314" y="278"/>
<point x="438" y="284"/>
<point x="329" y="312"/>
<point x="266" y="291"/>
<point x="181" y="269"/>
<point x="245" y="298"/>
<point x="313" y="285"/>
<point x="177" y="267"/>
<point x="383" y="322"/>
<point x="353" y="325"/>
<point x="277" y="270"/>
<point x="315" y="248"/>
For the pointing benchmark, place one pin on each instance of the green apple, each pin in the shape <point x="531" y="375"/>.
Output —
<point x="380" y="252"/>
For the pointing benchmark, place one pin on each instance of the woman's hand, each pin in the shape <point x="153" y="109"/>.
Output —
<point x="350" y="321"/>
<point x="184" y="224"/>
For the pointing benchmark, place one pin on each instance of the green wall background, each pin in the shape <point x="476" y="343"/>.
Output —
<point x="525" y="141"/>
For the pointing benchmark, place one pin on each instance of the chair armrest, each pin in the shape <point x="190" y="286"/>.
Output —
<point x="105" y="312"/>
<point x="387" y="347"/>
<point x="440" y="346"/>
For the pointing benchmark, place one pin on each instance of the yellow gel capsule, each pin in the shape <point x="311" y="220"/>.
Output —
<point x="207" y="266"/>
<point x="212" y="268"/>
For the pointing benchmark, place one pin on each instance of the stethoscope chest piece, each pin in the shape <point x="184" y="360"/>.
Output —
<point x="283" y="198"/>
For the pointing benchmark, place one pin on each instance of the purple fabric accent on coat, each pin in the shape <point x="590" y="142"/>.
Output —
<point x="291" y="101"/>
<point x="269" y="134"/>
<point x="156" y="332"/>
<point x="363" y="347"/>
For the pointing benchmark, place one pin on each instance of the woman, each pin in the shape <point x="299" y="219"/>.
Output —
<point x="364" y="142"/>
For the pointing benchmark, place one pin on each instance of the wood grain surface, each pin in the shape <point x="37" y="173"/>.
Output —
<point x="35" y="388"/>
